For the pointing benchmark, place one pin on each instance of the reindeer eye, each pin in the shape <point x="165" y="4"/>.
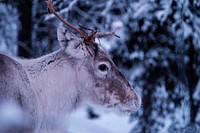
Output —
<point x="103" y="67"/>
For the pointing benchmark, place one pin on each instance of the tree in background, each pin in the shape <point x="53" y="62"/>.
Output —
<point x="158" y="51"/>
<point x="163" y="44"/>
<point x="34" y="34"/>
<point x="8" y="28"/>
<point x="24" y="8"/>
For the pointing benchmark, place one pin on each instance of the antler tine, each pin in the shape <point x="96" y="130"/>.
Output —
<point x="50" y="7"/>
<point x="88" y="39"/>
<point x="83" y="27"/>
<point x="99" y="34"/>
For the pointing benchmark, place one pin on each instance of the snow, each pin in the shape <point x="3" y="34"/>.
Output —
<point x="196" y="94"/>
<point x="135" y="72"/>
<point x="137" y="54"/>
<point x="10" y="115"/>
<point x="187" y="30"/>
<point x="166" y="10"/>
<point x="108" y="122"/>
<point x="167" y="124"/>
<point x="8" y="30"/>
<point x="3" y="47"/>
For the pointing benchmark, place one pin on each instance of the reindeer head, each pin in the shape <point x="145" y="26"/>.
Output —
<point x="98" y="79"/>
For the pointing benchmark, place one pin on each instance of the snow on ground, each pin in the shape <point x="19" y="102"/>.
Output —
<point x="108" y="122"/>
<point x="10" y="115"/>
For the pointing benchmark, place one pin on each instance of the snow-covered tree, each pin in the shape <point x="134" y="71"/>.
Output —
<point x="163" y="44"/>
<point x="8" y="29"/>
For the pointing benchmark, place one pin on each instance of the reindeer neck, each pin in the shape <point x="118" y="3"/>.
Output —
<point x="53" y="79"/>
<point x="37" y="66"/>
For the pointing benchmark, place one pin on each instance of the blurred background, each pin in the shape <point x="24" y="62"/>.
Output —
<point x="158" y="52"/>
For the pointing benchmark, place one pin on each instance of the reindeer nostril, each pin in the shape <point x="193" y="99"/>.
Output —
<point x="97" y="84"/>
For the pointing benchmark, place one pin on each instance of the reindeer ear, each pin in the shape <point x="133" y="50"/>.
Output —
<point x="71" y="43"/>
<point x="65" y="37"/>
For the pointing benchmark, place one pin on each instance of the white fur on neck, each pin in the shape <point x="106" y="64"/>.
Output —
<point x="46" y="76"/>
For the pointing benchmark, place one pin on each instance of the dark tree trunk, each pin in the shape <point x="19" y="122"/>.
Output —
<point x="147" y="122"/>
<point x="24" y="8"/>
<point x="147" y="107"/>
<point x="192" y="82"/>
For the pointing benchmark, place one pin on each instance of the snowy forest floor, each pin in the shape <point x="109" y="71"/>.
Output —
<point x="108" y="122"/>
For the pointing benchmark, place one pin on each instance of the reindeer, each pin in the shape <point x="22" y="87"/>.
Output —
<point x="48" y="88"/>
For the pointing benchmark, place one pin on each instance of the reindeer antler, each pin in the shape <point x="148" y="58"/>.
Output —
<point x="49" y="4"/>
<point x="87" y="38"/>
